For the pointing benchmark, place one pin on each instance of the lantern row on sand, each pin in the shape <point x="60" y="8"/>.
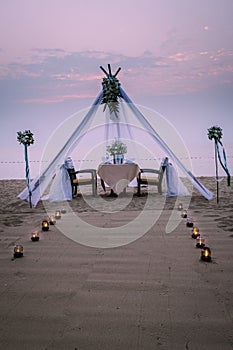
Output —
<point x="200" y="242"/>
<point x="45" y="225"/>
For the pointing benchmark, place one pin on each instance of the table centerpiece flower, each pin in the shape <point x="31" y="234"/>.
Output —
<point x="117" y="149"/>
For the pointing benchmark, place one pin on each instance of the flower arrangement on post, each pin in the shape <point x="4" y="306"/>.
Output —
<point x="27" y="139"/>
<point x="116" y="149"/>
<point x="215" y="132"/>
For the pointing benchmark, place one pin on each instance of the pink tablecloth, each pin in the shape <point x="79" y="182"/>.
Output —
<point x="118" y="176"/>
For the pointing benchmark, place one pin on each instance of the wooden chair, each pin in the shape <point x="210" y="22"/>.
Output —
<point x="79" y="181"/>
<point x="155" y="180"/>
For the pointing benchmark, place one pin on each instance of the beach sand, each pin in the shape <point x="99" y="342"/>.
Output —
<point x="153" y="293"/>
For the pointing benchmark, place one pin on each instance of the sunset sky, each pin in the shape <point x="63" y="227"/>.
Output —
<point x="176" y="57"/>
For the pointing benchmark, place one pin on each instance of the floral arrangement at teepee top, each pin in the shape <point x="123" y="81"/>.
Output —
<point x="111" y="93"/>
<point x="117" y="147"/>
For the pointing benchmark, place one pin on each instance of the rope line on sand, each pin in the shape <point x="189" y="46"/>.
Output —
<point x="94" y="160"/>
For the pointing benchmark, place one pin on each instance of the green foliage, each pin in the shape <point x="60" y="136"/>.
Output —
<point x="117" y="147"/>
<point x="215" y="133"/>
<point x="26" y="137"/>
<point x="111" y="93"/>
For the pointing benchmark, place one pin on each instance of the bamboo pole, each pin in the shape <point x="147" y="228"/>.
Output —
<point x="216" y="171"/>
<point x="28" y="175"/>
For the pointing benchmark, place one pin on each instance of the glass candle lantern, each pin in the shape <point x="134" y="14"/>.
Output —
<point x="35" y="237"/>
<point x="58" y="215"/>
<point x="189" y="222"/>
<point x="52" y="220"/>
<point x="206" y="254"/>
<point x="63" y="211"/>
<point x="45" y="225"/>
<point x="195" y="232"/>
<point x="200" y="242"/>
<point x="18" y="251"/>
<point x="180" y="207"/>
<point x="184" y="214"/>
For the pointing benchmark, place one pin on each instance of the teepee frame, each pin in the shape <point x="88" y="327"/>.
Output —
<point x="40" y="184"/>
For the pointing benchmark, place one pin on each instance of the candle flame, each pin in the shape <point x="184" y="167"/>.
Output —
<point x="18" y="249"/>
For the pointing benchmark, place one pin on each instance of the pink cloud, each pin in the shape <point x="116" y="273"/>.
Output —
<point x="57" y="99"/>
<point x="181" y="57"/>
<point x="54" y="79"/>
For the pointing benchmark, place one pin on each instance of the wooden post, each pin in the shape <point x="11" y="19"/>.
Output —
<point x="104" y="70"/>
<point x="109" y="69"/>
<point x="118" y="70"/>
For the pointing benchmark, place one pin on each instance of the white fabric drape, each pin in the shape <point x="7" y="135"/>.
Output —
<point x="60" y="189"/>
<point x="174" y="185"/>
<point x="202" y="189"/>
<point x="40" y="184"/>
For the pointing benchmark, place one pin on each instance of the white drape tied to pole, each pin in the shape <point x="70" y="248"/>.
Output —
<point x="174" y="185"/>
<point x="60" y="189"/>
